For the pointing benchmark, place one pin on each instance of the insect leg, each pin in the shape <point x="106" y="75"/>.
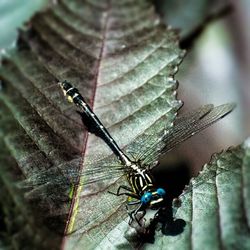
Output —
<point x="130" y="192"/>
<point x="141" y="217"/>
<point x="133" y="203"/>
<point x="136" y="212"/>
<point x="132" y="214"/>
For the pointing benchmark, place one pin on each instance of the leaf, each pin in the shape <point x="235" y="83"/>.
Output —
<point x="217" y="213"/>
<point x="19" y="222"/>
<point x="123" y="61"/>
<point x="215" y="208"/>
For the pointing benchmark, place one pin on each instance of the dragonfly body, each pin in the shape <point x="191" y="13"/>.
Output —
<point x="143" y="187"/>
<point x="73" y="95"/>
<point x="143" y="190"/>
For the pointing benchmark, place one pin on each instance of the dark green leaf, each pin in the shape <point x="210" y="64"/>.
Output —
<point x="216" y="212"/>
<point x="123" y="61"/>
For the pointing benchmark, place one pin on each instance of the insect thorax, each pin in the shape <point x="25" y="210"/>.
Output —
<point x="141" y="180"/>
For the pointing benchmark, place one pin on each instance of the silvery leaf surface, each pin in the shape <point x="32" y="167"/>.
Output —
<point x="123" y="61"/>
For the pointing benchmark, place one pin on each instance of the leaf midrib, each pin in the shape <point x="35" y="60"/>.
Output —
<point x="74" y="204"/>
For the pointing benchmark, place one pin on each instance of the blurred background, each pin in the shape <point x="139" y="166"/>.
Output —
<point x="215" y="70"/>
<point x="13" y="13"/>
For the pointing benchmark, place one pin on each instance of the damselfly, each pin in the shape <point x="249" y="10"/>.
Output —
<point x="142" y="188"/>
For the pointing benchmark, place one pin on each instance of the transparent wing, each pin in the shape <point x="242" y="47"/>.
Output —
<point x="71" y="174"/>
<point x="185" y="127"/>
<point x="110" y="168"/>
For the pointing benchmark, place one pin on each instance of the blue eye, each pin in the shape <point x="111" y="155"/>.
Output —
<point x="161" y="192"/>
<point x="146" y="198"/>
